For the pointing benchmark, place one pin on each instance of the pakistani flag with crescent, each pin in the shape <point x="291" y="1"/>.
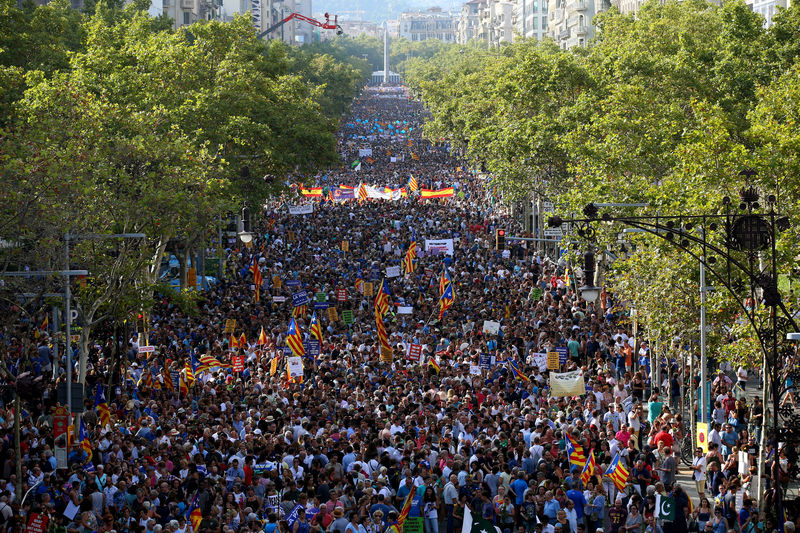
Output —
<point x="665" y="507"/>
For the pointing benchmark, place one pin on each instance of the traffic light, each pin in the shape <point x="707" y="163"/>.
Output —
<point x="500" y="239"/>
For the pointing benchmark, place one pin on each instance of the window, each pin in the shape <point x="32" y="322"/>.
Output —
<point x="187" y="17"/>
<point x="535" y="24"/>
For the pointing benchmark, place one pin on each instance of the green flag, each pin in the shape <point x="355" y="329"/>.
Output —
<point x="473" y="523"/>
<point x="355" y="163"/>
<point x="665" y="508"/>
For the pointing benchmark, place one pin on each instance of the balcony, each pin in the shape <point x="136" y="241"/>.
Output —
<point x="187" y="4"/>
<point x="563" y="34"/>
<point x="580" y="5"/>
<point x="581" y="30"/>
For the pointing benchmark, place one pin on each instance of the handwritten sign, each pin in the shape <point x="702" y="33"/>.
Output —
<point x="333" y="315"/>
<point x="341" y="295"/>
<point x="392" y="271"/>
<point x="368" y="288"/>
<point x="230" y="325"/>
<point x="345" y="246"/>
<point x="475" y="370"/>
<point x="553" y="361"/>
<point x="238" y="363"/>
<point x="294" y="366"/>
<point x="273" y="366"/>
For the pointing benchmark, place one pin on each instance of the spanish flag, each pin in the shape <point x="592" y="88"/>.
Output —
<point x="313" y="192"/>
<point x="262" y="337"/>
<point x="434" y="365"/>
<point x="430" y="194"/>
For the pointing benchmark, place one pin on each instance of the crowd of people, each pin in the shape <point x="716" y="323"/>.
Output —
<point x="468" y="422"/>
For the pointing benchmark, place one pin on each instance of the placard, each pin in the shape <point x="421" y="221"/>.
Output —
<point x="147" y="349"/>
<point x="321" y="297"/>
<point x="299" y="298"/>
<point x="486" y="361"/>
<point x="341" y="295"/>
<point x="540" y="360"/>
<point x="414" y="352"/>
<point x="567" y="384"/>
<point x="230" y="325"/>
<point x="273" y="366"/>
<point x="475" y="370"/>
<point x="312" y="347"/>
<point x="293" y="283"/>
<point x="405" y="310"/>
<point x="552" y="361"/>
<point x="702" y="436"/>
<point x="294" y="366"/>
<point x="321" y="305"/>
<point x="368" y="288"/>
<point x="413" y="524"/>
<point x="347" y="316"/>
<point x="333" y="316"/>
<point x="491" y="327"/>
<point x="305" y="209"/>
<point x="345" y="246"/>
<point x="562" y="355"/>
<point x="238" y="363"/>
<point x="191" y="277"/>
<point x="386" y="354"/>
<point x="276" y="281"/>
<point x="279" y="299"/>
<point x="37" y="523"/>
<point x="290" y="236"/>
<point x="439" y="246"/>
<point x="392" y="272"/>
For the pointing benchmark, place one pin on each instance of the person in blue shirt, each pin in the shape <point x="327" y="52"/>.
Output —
<point x="579" y="500"/>
<point x="551" y="507"/>
<point x="518" y="487"/>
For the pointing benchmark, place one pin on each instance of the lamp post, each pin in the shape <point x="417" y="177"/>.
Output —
<point x="737" y="248"/>
<point x="244" y="227"/>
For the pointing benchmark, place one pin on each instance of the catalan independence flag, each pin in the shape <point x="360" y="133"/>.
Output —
<point x="360" y="285"/>
<point x="294" y="339"/>
<point x="444" y="279"/>
<point x="362" y="192"/>
<point x="446" y="300"/>
<point x="316" y="330"/>
<point x="101" y="406"/>
<point x="382" y="297"/>
<point x="194" y="515"/>
<point x="517" y="372"/>
<point x="588" y="469"/>
<point x="83" y="439"/>
<point x="575" y="452"/>
<point x="430" y="194"/>
<point x="618" y="473"/>
<point x="434" y="365"/>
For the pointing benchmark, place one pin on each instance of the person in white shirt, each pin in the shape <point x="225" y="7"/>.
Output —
<point x="699" y="471"/>
<point x="741" y="378"/>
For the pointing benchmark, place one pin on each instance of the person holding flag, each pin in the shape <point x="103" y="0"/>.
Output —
<point x="315" y="329"/>
<point x="294" y="339"/>
<point x="409" y="262"/>
<point x="446" y="300"/>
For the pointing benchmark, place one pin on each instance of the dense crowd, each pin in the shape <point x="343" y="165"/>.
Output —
<point x="340" y="448"/>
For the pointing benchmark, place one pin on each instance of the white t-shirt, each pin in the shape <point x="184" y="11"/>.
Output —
<point x="741" y="374"/>
<point x="699" y="475"/>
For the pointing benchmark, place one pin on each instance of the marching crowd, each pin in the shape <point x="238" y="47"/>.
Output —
<point x="364" y="439"/>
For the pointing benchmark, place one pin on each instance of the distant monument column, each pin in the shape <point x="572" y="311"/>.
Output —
<point x="385" y="53"/>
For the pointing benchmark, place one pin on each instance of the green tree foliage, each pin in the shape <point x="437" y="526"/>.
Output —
<point x="665" y="108"/>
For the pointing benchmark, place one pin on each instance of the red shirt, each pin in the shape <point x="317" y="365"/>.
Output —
<point x="663" y="436"/>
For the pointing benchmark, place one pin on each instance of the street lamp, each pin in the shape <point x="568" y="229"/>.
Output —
<point x="244" y="228"/>
<point x="737" y="247"/>
<point x="589" y="291"/>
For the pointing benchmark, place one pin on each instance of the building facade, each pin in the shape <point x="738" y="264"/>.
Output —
<point x="569" y="22"/>
<point x="423" y="25"/>
<point x="530" y="19"/>
<point x="467" y="26"/>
